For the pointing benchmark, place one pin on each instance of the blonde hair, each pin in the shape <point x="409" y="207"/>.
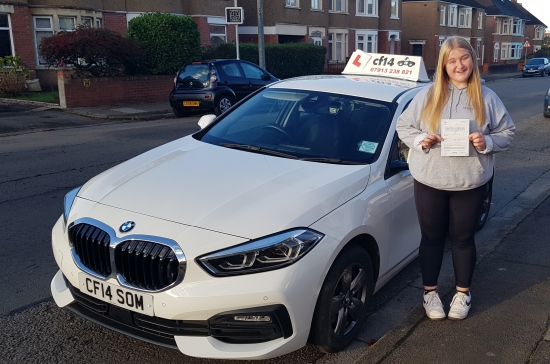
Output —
<point x="439" y="93"/>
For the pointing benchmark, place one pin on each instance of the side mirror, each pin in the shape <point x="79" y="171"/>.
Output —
<point x="205" y="120"/>
<point x="266" y="77"/>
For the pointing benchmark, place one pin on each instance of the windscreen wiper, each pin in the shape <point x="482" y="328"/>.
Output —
<point x="256" y="149"/>
<point x="329" y="160"/>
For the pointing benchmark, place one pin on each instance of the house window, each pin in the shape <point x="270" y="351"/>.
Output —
<point x="317" y="38"/>
<point x="479" y="20"/>
<point x="394" y="9"/>
<point x="367" y="7"/>
<point x="441" y="40"/>
<point x="465" y="17"/>
<point x="98" y="22"/>
<point x="517" y="27"/>
<point x="338" y="6"/>
<point x="505" y="51"/>
<point x="515" y="50"/>
<point x="338" y="45"/>
<point x="293" y="3"/>
<point x="539" y="33"/>
<point x="316" y="4"/>
<point x="505" y="27"/>
<point x="442" y="15"/>
<point x="43" y="28"/>
<point x="367" y="42"/>
<point x="495" y="53"/>
<point x="478" y="48"/>
<point x="5" y="36"/>
<point x="67" y="23"/>
<point x="217" y="34"/>
<point x="87" y="22"/>
<point x="452" y="16"/>
<point x="498" y="26"/>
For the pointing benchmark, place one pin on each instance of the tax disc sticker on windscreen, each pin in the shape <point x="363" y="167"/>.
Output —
<point x="367" y="147"/>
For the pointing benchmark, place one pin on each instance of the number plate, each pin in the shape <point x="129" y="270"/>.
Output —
<point x="191" y="103"/>
<point x="122" y="297"/>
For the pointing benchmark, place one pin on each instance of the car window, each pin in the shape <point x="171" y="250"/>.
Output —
<point x="535" y="61"/>
<point x="231" y="69"/>
<point x="252" y="72"/>
<point x="307" y="124"/>
<point x="194" y="72"/>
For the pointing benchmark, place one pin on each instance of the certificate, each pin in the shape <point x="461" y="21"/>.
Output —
<point x="455" y="137"/>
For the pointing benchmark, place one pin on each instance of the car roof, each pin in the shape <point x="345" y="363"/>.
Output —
<point x="372" y="87"/>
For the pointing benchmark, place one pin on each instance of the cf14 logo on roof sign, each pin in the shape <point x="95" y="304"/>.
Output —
<point x="409" y="68"/>
<point x="234" y="15"/>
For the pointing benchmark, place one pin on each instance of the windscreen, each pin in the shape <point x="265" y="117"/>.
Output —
<point x="309" y="125"/>
<point x="535" y="61"/>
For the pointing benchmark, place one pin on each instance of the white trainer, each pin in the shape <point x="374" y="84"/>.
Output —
<point x="460" y="305"/>
<point x="433" y="306"/>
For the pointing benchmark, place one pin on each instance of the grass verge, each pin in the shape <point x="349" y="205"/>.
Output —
<point x="51" y="97"/>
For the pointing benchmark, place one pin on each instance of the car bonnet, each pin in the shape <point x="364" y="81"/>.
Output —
<point x="229" y="191"/>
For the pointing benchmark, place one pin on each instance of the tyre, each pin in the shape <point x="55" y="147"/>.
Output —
<point x="484" y="215"/>
<point x="343" y="300"/>
<point x="179" y="112"/>
<point x="546" y="115"/>
<point x="223" y="104"/>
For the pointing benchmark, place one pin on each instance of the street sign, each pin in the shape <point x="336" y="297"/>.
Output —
<point x="234" y="15"/>
<point x="526" y="44"/>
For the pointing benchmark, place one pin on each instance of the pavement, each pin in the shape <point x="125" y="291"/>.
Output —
<point x="146" y="110"/>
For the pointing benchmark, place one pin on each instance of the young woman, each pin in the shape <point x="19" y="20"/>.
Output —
<point x="449" y="191"/>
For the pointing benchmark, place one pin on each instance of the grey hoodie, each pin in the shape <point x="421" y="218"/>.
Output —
<point x="456" y="173"/>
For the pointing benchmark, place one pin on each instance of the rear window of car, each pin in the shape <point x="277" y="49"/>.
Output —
<point x="536" y="61"/>
<point x="194" y="72"/>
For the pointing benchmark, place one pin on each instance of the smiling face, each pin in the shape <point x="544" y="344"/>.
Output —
<point x="459" y="67"/>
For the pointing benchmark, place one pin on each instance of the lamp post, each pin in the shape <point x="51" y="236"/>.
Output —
<point x="261" y="50"/>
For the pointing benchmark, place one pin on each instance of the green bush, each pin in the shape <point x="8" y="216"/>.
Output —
<point x="282" y="60"/>
<point x="13" y="76"/>
<point x="168" y="41"/>
<point x="543" y="52"/>
<point x="92" y="52"/>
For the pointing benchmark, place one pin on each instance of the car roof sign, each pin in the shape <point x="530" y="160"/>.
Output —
<point x="403" y="67"/>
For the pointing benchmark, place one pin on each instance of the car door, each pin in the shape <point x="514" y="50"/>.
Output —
<point x="255" y="76"/>
<point x="232" y="76"/>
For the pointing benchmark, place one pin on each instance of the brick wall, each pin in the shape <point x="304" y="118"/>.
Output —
<point x="23" y="39"/>
<point x="204" y="29"/>
<point x="112" y="90"/>
<point x="115" y="22"/>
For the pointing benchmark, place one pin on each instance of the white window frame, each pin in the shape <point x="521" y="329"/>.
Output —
<point x="396" y="7"/>
<point x="441" y="40"/>
<point x="505" y="51"/>
<point x="333" y="40"/>
<point x="316" y="5"/>
<point x="12" y="50"/>
<point x="223" y="36"/>
<point x="480" y="20"/>
<point x="369" y="38"/>
<point x="506" y="27"/>
<point x="539" y="33"/>
<point x="98" y="23"/>
<point x="478" y="48"/>
<point x="292" y="3"/>
<point x="453" y="13"/>
<point x="465" y="17"/>
<point x="66" y="17"/>
<point x="516" y="50"/>
<point x="366" y="3"/>
<point x="332" y="6"/>
<point x="517" y="27"/>
<point x="90" y="18"/>
<point x="498" y="26"/>
<point x="36" y="30"/>
<point x="443" y="15"/>
<point x="496" y="52"/>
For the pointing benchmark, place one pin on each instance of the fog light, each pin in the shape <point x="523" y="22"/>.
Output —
<point x="253" y="318"/>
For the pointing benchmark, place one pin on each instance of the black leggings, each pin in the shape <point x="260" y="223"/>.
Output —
<point x="452" y="213"/>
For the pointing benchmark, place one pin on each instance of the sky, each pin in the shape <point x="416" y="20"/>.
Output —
<point x="540" y="9"/>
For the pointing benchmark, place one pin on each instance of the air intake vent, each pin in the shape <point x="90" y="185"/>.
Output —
<point x="91" y="245"/>
<point x="146" y="265"/>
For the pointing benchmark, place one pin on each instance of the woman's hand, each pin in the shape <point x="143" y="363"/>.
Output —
<point x="478" y="140"/>
<point x="430" y="140"/>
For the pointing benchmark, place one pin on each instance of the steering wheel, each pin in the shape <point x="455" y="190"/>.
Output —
<point x="281" y="131"/>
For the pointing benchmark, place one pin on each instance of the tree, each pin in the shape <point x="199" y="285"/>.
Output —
<point x="169" y="41"/>
<point x="92" y="52"/>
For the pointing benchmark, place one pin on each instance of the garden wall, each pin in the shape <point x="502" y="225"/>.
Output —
<point x="78" y="92"/>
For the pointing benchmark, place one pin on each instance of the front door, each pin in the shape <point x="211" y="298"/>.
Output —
<point x="417" y="50"/>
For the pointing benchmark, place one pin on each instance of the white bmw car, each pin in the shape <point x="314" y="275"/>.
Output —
<point x="270" y="227"/>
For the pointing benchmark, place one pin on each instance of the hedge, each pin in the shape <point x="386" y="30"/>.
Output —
<point x="282" y="60"/>
<point x="168" y="41"/>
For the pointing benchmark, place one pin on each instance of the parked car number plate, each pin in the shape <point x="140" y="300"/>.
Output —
<point x="128" y="299"/>
<point x="191" y="103"/>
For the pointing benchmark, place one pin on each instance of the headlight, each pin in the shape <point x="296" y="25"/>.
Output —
<point x="541" y="67"/>
<point x="524" y="68"/>
<point x="272" y="252"/>
<point x="68" y="202"/>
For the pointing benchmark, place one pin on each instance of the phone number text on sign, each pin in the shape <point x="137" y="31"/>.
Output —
<point x="390" y="71"/>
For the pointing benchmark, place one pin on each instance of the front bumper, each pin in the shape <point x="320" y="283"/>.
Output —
<point x="533" y="72"/>
<point x="185" y="316"/>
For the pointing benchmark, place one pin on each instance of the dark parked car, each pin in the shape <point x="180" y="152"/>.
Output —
<point x="536" y="66"/>
<point x="547" y="104"/>
<point x="216" y="84"/>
